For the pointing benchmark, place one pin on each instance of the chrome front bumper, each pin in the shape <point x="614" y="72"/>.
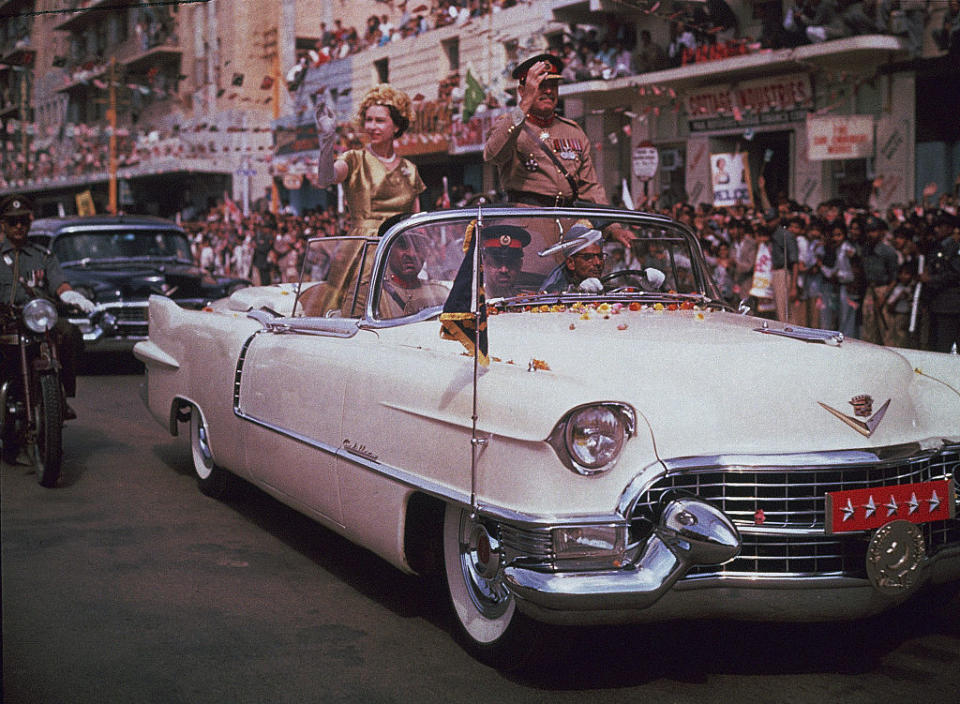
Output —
<point x="651" y="589"/>
<point x="625" y="597"/>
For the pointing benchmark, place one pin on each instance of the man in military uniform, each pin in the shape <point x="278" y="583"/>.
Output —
<point x="502" y="249"/>
<point x="26" y="270"/>
<point x="544" y="159"/>
<point x="942" y="287"/>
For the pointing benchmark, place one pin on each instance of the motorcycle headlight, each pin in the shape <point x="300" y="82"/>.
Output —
<point x="590" y="438"/>
<point x="39" y="315"/>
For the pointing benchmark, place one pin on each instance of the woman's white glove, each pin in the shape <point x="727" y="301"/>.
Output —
<point x="73" y="298"/>
<point x="327" y="137"/>
<point x="591" y="285"/>
<point x="655" y="277"/>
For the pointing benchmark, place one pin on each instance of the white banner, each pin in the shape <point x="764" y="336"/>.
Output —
<point x="730" y="176"/>
<point x="839" y="137"/>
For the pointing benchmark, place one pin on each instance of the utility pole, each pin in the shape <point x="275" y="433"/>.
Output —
<point x="112" y="120"/>
<point x="24" y="119"/>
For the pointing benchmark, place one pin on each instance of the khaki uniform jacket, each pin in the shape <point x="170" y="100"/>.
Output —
<point x="524" y="166"/>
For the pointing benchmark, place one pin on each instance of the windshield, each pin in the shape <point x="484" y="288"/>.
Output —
<point x="526" y="259"/>
<point x="121" y="244"/>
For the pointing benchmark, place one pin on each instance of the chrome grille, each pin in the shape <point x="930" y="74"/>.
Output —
<point x="793" y="499"/>
<point x="131" y="319"/>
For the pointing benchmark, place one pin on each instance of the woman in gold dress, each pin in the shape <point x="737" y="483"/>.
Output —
<point x="377" y="182"/>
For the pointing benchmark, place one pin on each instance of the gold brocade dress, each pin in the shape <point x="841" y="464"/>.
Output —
<point x="374" y="194"/>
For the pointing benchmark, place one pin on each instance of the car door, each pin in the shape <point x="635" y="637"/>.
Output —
<point x="291" y="382"/>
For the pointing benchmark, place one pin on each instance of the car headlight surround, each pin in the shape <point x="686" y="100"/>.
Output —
<point x="39" y="315"/>
<point x="590" y="438"/>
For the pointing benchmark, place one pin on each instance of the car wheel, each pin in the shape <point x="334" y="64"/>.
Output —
<point x="486" y="611"/>
<point x="212" y="480"/>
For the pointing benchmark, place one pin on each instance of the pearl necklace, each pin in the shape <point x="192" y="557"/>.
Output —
<point x="384" y="160"/>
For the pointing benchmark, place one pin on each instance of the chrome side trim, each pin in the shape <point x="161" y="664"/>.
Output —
<point x="890" y="454"/>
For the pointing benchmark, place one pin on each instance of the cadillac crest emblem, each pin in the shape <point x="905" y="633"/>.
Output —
<point x="862" y="408"/>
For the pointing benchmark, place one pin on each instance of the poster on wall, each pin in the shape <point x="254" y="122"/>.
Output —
<point x="730" y="176"/>
<point x="839" y="137"/>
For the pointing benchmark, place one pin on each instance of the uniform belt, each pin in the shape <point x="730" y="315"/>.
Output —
<point x="530" y="198"/>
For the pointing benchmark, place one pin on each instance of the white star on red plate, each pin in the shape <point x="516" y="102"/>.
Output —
<point x="892" y="506"/>
<point x="870" y="506"/>
<point x="913" y="504"/>
<point x="848" y="510"/>
<point x="934" y="501"/>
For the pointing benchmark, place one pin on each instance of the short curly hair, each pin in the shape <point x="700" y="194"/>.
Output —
<point x="394" y="99"/>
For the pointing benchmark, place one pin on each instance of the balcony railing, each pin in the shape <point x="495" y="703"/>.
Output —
<point x="81" y="13"/>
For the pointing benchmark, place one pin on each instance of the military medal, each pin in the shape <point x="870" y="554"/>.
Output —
<point x="567" y="148"/>
<point x="531" y="164"/>
<point x="544" y="136"/>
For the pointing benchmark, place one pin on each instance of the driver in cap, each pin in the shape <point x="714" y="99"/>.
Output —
<point x="502" y="248"/>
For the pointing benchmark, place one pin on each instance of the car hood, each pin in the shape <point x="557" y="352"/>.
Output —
<point x="138" y="280"/>
<point x="709" y="382"/>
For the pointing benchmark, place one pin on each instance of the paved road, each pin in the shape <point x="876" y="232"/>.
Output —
<point x="125" y="584"/>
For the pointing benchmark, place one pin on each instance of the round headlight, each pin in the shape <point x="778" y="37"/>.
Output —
<point x="39" y="315"/>
<point x="594" y="437"/>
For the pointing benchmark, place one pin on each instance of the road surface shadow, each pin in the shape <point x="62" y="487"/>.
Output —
<point x="571" y="658"/>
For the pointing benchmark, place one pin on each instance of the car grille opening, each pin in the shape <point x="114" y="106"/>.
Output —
<point x="793" y="499"/>
<point x="131" y="319"/>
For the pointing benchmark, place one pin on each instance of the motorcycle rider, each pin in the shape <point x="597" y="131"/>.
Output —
<point x="26" y="266"/>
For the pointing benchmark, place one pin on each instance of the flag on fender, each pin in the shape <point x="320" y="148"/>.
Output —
<point x="466" y="306"/>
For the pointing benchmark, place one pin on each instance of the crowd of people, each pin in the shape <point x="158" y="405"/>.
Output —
<point x="853" y="270"/>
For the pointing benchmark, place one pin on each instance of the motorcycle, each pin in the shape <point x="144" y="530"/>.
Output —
<point x="32" y="400"/>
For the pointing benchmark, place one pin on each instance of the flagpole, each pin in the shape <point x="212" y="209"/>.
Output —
<point x="475" y="442"/>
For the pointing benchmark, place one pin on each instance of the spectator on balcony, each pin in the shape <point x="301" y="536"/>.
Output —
<point x="856" y="17"/>
<point x="650" y="56"/>
<point x="823" y="21"/>
<point x="948" y="36"/>
<point x="718" y="16"/>
<point x="681" y="38"/>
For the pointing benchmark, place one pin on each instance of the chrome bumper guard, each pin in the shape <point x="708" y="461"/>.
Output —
<point x="690" y="532"/>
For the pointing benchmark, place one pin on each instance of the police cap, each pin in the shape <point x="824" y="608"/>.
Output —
<point x="15" y="205"/>
<point x="504" y="240"/>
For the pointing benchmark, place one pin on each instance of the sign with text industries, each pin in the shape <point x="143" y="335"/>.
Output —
<point x="774" y="94"/>
<point x="730" y="176"/>
<point x="840" y="137"/>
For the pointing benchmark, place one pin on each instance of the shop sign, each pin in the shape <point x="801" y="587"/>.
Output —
<point x="646" y="159"/>
<point x="758" y="102"/>
<point x="730" y="176"/>
<point x="839" y="137"/>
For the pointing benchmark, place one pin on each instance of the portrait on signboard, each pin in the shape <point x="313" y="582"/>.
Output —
<point x="730" y="176"/>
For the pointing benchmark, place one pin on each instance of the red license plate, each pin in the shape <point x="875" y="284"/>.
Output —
<point x="870" y="508"/>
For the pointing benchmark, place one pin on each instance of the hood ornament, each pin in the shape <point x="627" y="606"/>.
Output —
<point x="862" y="407"/>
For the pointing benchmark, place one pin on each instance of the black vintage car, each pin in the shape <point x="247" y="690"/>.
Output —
<point x="118" y="261"/>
